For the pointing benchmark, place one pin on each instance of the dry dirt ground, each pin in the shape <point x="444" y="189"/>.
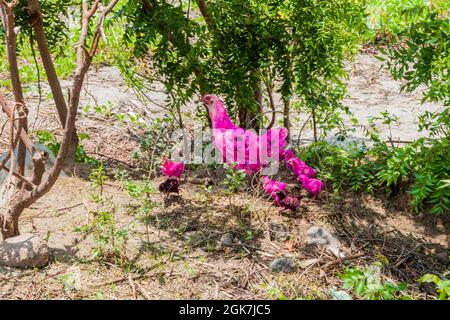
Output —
<point x="176" y="252"/>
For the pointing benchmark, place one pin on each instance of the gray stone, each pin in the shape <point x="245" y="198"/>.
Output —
<point x="227" y="239"/>
<point x="282" y="265"/>
<point x="24" y="251"/>
<point x="321" y="237"/>
<point x="443" y="257"/>
<point x="278" y="231"/>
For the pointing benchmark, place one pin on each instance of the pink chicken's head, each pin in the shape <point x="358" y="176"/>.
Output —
<point x="217" y="112"/>
<point x="209" y="100"/>
<point x="213" y="104"/>
<point x="172" y="169"/>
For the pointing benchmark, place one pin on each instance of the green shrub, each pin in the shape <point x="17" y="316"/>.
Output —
<point x="367" y="284"/>
<point x="442" y="285"/>
<point x="421" y="168"/>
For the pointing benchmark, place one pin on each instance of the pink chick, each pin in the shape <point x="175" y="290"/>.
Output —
<point x="273" y="187"/>
<point x="288" y="154"/>
<point x="172" y="169"/>
<point x="288" y="201"/>
<point x="299" y="167"/>
<point x="314" y="186"/>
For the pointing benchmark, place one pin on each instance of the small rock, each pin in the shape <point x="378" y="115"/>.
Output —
<point x="443" y="257"/>
<point x="227" y="239"/>
<point x="24" y="251"/>
<point x="282" y="265"/>
<point x="323" y="238"/>
<point x="278" y="231"/>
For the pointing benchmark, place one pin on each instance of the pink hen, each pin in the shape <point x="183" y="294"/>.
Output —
<point x="172" y="169"/>
<point x="249" y="150"/>
<point x="314" y="186"/>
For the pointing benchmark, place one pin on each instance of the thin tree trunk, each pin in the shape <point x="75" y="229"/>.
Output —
<point x="259" y="100"/>
<point x="38" y="25"/>
<point x="11" y="39"/>
<point x="286" y="119"/>
<point x="251" y="119"/>
<point x="314" y="123"/>
<point x="203" y="6"/>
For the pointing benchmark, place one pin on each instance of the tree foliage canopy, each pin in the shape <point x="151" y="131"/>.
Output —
<point x="295" y="47"/>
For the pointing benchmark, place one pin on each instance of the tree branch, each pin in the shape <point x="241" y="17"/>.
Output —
<point x="36" y="21"/>
<point x="272" y="104"/>
<point x="7" y="16"/>
<point x="15" y="199"/>
<point x="23" y="135"/>
<point x="83" y="63"/>
<point x="203" y="6"/>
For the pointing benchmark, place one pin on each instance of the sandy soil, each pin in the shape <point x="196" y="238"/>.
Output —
<point x="372" y="90"/>
<point x="178" y="254"/>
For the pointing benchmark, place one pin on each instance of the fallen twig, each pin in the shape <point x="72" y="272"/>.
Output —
<point x="143" y="292"/>
<point x="70" y="207"/>
<point x="132" y="285"/>
<point x="332" y="263"/>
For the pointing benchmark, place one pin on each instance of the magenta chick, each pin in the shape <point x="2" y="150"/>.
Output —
<point x="277" y="191"/>
<point x="288" y="154"/>
<point x="272" y="187"/>
<point x="288" y="201"/>
<point x="172" y="169"/>
<point x="298" y="167"/>
<point x="313" y="186"/>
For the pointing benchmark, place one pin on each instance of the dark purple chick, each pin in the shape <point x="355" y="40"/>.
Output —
<point x="287" y="201"/>
<point x="169" y="186"/>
